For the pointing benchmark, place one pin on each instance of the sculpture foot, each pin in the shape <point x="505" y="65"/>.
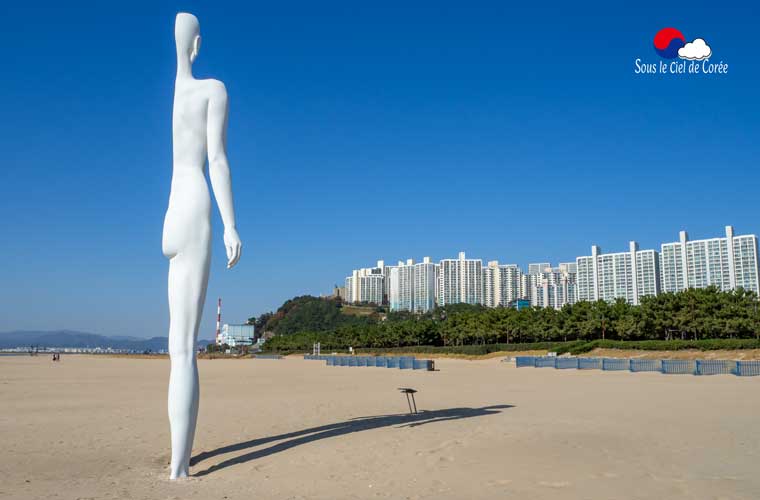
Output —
<point x="179" y="474"/>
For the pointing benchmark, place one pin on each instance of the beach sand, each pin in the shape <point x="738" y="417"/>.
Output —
<point x="96" y="428"/>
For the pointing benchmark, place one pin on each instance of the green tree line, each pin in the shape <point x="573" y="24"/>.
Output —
<point x="693" y="314"/>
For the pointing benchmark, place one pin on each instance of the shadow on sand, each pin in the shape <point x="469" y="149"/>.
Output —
<point x="359" y="424"/>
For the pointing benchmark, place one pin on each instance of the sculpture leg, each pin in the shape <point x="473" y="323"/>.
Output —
<point x="188" y="278"/>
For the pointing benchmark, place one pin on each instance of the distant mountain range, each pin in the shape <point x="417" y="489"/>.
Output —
<point x="72" y="338"/>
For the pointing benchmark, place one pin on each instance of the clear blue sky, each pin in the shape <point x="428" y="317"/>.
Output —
<point x="356" y="133"/>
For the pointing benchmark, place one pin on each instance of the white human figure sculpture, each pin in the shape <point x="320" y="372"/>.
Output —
<point x="199" y="125"/>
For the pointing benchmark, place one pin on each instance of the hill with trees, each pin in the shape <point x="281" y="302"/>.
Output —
<point x="310" y="314"/>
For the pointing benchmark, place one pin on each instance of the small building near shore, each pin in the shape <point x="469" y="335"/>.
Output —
<point x="236" y="335"/>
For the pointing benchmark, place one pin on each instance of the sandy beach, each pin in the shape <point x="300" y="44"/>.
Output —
<point x="96" y="428"/>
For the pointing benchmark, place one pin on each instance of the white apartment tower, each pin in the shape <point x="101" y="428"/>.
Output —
<point x="394" y="288"/>
<point x="501" y="284"/>
<point x="371" y="289"/>
<point x="726" y="262"/>
<point x="461" y="281"/>
<point x="412" y="287"/>
<point x="366" y="285"/>
<point x="387" y="283"/>
<point x="625" y="275"/>
<point x="404" y="286"/>
<point x="553" y="287"/>
<point x="529" y="281"/>
<point x="425" y="285"/>
<point x="538" y="268"/>
<point x="524" y="286"/>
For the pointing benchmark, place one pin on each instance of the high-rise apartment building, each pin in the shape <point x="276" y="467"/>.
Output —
<point x="425" y="285"/>
<point x="501" y="284"/>
<point x="553" y="287"/>
<point x="525" y="286"/>
<point x="406" y="286"/>
<point x="586" y="278"/>
<point x="387" y="283"/>
<point x="371" y="289"/>
<point x="412" y="287"/>
<point x="727" y="262"/>
<point x="349" y="289"/>
<point x="625" y="275"/>
<point x="489" y="284"/>
<point x="393" y="280"/>
<point x="401" y="289"/>
<point x="528" y="281"/>
<point x="461" y="281"/>
<point x="568" y="267"/>
<point x="538" y="268"/>
<point x="366" y="285"/>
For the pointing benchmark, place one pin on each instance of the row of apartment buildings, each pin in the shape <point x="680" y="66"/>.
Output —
<point x="728" y="262"/>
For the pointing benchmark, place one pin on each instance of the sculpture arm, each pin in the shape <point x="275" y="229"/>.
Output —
<point x="219" y="170"/>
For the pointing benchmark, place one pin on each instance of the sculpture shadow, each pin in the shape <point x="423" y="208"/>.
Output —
<point x="358" y="424"/>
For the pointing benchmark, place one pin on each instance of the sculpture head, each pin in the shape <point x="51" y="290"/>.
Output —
<point x="187" y="35"/>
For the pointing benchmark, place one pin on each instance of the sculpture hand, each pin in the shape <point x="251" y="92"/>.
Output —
<point x="233" y="245"/>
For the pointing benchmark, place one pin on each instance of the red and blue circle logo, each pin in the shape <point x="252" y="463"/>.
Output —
<point x="667" y="41"/>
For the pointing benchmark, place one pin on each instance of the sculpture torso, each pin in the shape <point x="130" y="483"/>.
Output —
<point x="189" y="123"/>
<point x="188" y="218"/>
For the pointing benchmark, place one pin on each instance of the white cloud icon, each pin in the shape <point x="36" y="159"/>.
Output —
<point x="695" y="51"/>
